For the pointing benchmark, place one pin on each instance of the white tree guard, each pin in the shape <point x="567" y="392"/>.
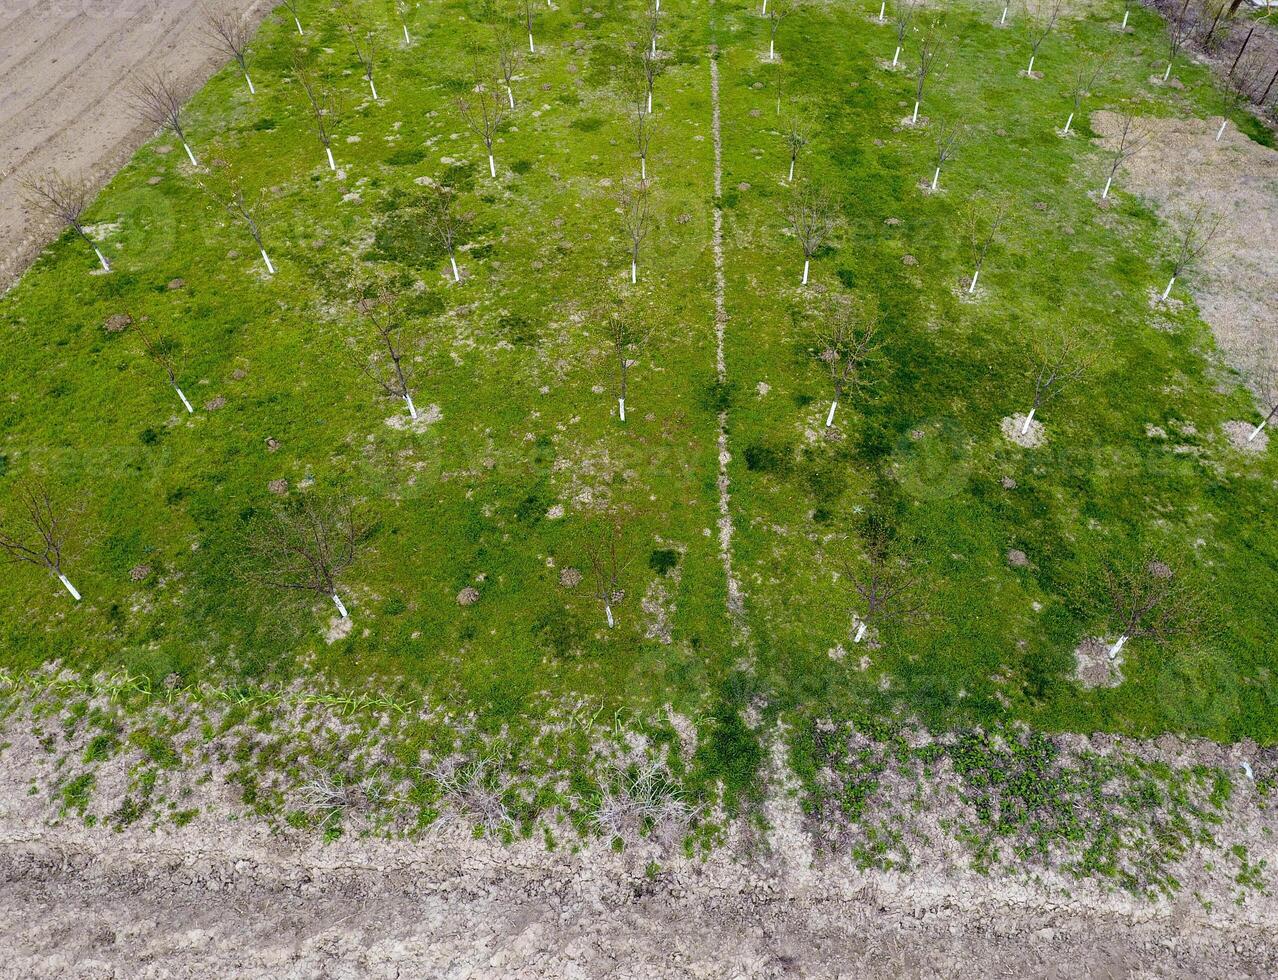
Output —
<point x="829" y="418"/>
<point x="267" y="259"/>
<point x="189" y="409"/>
<point x="66" y="584"/>
<point x="341" y="609"/>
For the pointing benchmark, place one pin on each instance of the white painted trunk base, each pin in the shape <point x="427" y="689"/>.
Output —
<point x="299" y="27"/>
<point x="492" y="165"/>
<point x="106" y="266"/>
<point x="1257" y="432"/>
<point x="1003" y="19"/>
<point x="190" y="156"/>
<point x="252" y="90"/>
<point x="189" y="409"/>
<point x="882" y="10"/>
<point x="1030" y="69"/>
<point x="915" y="118"/>
<point x="791" y="178"/>
<point x="897" y="56"/>
<point x="373" y="87"/>
<point x="341" y="609"/>
<point x="1221" y="132"/>
<point x="1105" y="192"/>
<point x="634" y="273"/>
<point x="621" y="405"/>
<point x="412" y="409"/>
<point x="331" y="165"/>
<point x="407" y="39"/>
<point x="650" y="100"/>
<point x="267" y="259"/>
<point x="1167" y="291"/>
<point x="511" y="96"/>
<point x="829" y="418"/>
<point x="975" y="276"/>
<point x="1126" y="14"/>
<point x="69" y="587"/>
<point x="936" y="178"/>
<point x="772" y="52"/>
<point x="608" y="611"/>
<point x="456" y="274"/>
<point x="1167" y="73"/>
<point x="1069" y="122"/>
<point x="1028" y="419"/>
<point x="531" y="49"/>
<point x="806" y="263"/>
<point x="1117" y="648"/>
<point x="643" y="168"/>
<point x="860" y="632"/>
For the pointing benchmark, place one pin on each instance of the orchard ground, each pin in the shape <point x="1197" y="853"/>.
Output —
<point x="477" y="673"/>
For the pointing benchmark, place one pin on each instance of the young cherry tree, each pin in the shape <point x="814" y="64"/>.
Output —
<point x="484" y="111"/>
<point x="294" y="9"/>
<point x="796" y="138"/>
<point x="444" y="225"/>
<point x="1085" y="80"/>
<point x="1194" y="238"/>
<point x="405" y="12"/>
<point x="1059" y="360"/>
<point x="949" y="137"/>
<point x="381" y="357"/>
<point x="634" y="203"/>
<point x="983" y="226"/>
<point x="364" y="41"/>
<point x="627" y="340"/>
<point x="1131" y="140"/>
<point x="641" y="127"/>
<point x="225" y="186"/>
<point x="931" y="46"/>
<point x="64" y="200"/>
<point x="1039" y="36"/>
<point x="507" y="59"/>
<point x="1262" y="378"/>
<point x="306" y="545"/>
<point x="35" y="533"/>
<point x="602" y="547"/>
<point x="886" y="583"/>
<point x="904" y="19"/>
<point x="157" y="101"/>
<point x="1178" y="32"/>
<point x="164" y="352"/>
<point x="846" y="340"/>
<point x="1145" y="598"/>
<point x="230" y="33"/>
<point x="812" y="217"/>
<point x="323" y="105"/>
<point x="781" y="9"/>
<point x="530" y="15"/>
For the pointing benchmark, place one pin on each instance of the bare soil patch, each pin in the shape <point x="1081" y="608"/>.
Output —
<point x="64" y="72"/>
<point x="1185" y="168"/>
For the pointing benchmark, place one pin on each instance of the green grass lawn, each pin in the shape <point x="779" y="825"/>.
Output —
<point x="526" y="457"/>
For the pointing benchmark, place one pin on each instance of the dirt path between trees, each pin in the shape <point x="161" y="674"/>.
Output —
<point x="64" y="70"/>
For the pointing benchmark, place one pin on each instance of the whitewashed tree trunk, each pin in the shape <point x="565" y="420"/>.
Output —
<point x="412" y="409"/>
<point x="267" y="259"/>
<point x="860" y="632"/>
<point x="341" y="609"/>
<point x="1003" y="20"/>
<point x="897" y="56"/>
<point x="190" y="156"/>
<point x="1257" y="430"/>
<point x="1030" y="69"/>
<point x="1221" y="132"/>
<point x="456" y="274"/>
<point x="936" y="178"/>
<point x="106" y="266"/>
<point x="806" y="263"/>
<point x="650" y="100"/>
<point x="407" y="39"/>
<point x="634" y="272"/>
<point x="608" y="611"/>
<point x="1117" y="648"/>
<point x="882" y="10"/>
<point x="492" y="165"/>
<point x="252" y="90"/>
<point x="791" y="170"/>
<point x="1167" y="292"/>
<point x="331" y="165"/>
<point x="510" y="94"/>
<point x="69" y="587"/>
<point x="975" y="276"/>
<point x="531" y="49"/>
<point x="1126" y="14"/>
<point x="189" y="409"/>
<point x="621" y="405"/>
<point x="1028" y="419"/>
<point x="772" y="50"/>
<point x="643" y="168"/>
<point x="373" y="88"/>
<point x="915" y="118"/>
<point x="1167" y="73"/>
<point x="829" y="417"/>
<point x="654" y="45"/>
<point x="765" y="8"/>
<point x="1069" y="122"/>
<point x="299" y="27"/>
<point x="1105" y="192"/>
